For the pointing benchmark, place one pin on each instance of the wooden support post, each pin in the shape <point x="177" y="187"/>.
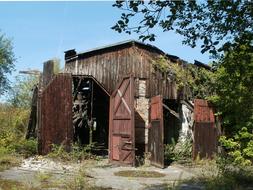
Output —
<point x="50" y="68"/>
<point x="91" y="114"/>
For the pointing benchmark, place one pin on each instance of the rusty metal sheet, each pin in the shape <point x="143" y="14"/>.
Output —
<point x="56" y="114"/>
<point x="121" y="129"/>
<point x="156" y="132"/>
<point x="205" y="132"/>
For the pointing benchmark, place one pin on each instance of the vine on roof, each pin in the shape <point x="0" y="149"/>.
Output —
<point x="195" y="80"/>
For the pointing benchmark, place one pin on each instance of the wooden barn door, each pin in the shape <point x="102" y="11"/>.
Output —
<point x="55" y="118"/>
<point x="121" y="129"/>
<point x="156" y="134"/>
<point x="205" y="131"/>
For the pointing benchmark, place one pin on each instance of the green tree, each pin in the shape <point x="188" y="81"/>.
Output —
<point x="7" y="60"/>
<point x="22" y="91"/>
<point x="215" y="24"/>
<point x="234" y="88"/>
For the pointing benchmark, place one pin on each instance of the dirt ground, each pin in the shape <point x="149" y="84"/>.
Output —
<point x="99" y="173"/>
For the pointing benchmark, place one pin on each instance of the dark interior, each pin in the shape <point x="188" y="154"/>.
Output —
<point x="171" y="125"/>
<point x="139" y="138"/>
<point x="91" y="105"/>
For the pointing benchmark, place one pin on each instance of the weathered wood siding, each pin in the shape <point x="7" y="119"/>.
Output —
<point x="56" y="114"/>
<point x="109" y="68"/>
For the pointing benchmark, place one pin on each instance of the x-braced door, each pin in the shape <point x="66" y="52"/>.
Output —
<point x="121" y="129"/>
<point x="155" y="133"/>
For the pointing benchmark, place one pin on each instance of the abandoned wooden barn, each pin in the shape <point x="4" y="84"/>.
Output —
<point x="113" y="96"/>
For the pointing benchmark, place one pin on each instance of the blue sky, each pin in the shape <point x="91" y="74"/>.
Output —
<point x="44" y="30"/>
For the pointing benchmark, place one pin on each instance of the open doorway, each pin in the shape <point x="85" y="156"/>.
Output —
<point x="164" y="128"/>
<point x="90" y="113"/>
<point x="172" y="126"/>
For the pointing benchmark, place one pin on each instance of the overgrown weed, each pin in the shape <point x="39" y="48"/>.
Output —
<point x="13" y="145"/>
<point x="78" y="153"/>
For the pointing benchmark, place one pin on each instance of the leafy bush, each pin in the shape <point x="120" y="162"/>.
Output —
<point x="13" y="145"/>
<point x="239" y="149"/>
<point x="13" y="123"/>
<point x="25" y="147"/>
<point x="180" y="152"/>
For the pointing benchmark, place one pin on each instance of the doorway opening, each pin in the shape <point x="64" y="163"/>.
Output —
<point x="90" y="114"/>
<point x="172" y="126"/>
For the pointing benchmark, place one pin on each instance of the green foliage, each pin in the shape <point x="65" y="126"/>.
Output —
<point x="239" y="180"/>
<point x="140" y="173"/>
<point x="7" y="60"/>
<point x="22" y="91"/>
<point x="169" y="153"/>
<point x="203" y="82"/>
<point x="8" y="160"/>
<point x="180" y="152"/>
<point x="77" y="153"/>
<point x="25" y="147"/>
<point x="233" y="89"/>
<point x="239" y="149"/>
<point x="13" y="123"/>
<point x="215" y="24"/>
<point x="198" y="81"/>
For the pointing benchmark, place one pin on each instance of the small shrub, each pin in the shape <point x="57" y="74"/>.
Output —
<point x="43" y="176"/>
<point x="58" y="152"/>
<point x="13" y="145"/>
<point x="25" y="147"/>
<point x="169" y="153"/>
<point x="180" y="152"/>
<point x="239" y="149"/>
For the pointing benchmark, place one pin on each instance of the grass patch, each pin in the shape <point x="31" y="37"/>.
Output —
<point x="233" y="179"/>
<point x="6" y="184"/>
<point x="133" y="173"/>
<point x="7" y="161"/>
<point x="10" y="184"/>
<point x="43" y="180"/>
<point x="78" y="153"/>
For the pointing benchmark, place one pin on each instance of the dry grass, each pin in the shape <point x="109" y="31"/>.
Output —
<point x="6" y="184"/>
<point x="7" y="161"/>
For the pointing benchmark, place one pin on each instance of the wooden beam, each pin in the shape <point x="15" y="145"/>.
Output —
<point x="188" y="105"/>
<point x="171" y="111"/>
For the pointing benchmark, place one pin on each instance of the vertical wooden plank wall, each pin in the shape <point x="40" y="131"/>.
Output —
<point x="56" y="114"/>
<point x="109" y="68"/>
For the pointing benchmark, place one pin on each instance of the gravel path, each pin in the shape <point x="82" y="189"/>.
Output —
<point x="100" y="173"/>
